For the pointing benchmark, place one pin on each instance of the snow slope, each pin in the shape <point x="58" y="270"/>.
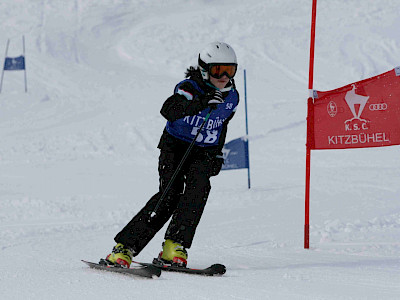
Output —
<point x="78" y="152"/>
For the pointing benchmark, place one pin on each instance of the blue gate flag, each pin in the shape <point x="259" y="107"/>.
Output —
<point x="14" y="63"/>
<point x="236" y="154"/>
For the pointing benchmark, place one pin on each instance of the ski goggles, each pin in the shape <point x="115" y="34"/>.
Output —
<point x="219" y="70"/>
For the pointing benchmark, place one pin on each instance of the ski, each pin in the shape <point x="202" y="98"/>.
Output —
<point x="213" y="270"/>
<point x="141" y="270"/>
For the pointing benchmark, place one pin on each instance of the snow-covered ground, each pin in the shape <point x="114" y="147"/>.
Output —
<point x="78" y="154"/>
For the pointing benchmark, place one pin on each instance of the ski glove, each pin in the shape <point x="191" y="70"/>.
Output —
<point x="212" y="99"/>
<point x="217" y="163"/>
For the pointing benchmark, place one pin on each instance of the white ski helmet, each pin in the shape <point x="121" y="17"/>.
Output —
<point x="215" y="53"/>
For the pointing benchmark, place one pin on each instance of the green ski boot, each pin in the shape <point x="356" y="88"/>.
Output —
<point x="173" y="254"/>
<point x="120" y="255"/>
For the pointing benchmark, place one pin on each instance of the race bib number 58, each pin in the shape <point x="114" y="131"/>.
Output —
<point x="207" y="137"/>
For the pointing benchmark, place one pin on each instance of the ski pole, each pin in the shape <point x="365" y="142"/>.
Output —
<point x="177" y="170"/>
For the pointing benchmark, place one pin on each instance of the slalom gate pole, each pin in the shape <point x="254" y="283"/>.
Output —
<point x="23" y="47"/>
<point x="177" y="170"/>
<point x="310" y="136"/>
<point x="247" y="129"/>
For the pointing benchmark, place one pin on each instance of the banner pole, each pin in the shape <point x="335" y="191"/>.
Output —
<point x="2" y="73"/>
<point x="247" y="129"/>
<point x="310" y="136"/>
<point x="308" y="173"/>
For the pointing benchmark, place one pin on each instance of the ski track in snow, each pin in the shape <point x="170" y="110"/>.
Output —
<point x="78" y="151"/>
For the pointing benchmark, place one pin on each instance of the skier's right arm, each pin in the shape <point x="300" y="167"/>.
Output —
<point x="184" y="102"/>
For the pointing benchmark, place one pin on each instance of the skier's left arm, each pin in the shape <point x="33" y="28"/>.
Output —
<point x="224" y="131"/>
<point x="216" y="157"/>
<point x="218" y="160"/>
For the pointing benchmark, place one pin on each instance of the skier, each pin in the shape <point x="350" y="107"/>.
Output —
<point x="208" y="88"/>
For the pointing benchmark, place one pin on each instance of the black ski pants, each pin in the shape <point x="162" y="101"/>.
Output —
<point x="185" y="201"/>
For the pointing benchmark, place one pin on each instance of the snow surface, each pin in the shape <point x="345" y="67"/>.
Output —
<point x="78" y="152"/>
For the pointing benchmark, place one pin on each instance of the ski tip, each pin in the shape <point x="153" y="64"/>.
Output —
<point x="218" y="269"/>
<point x="156" y="271"/>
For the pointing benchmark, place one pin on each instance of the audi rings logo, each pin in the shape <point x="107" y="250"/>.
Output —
<point x="378" y="106"/>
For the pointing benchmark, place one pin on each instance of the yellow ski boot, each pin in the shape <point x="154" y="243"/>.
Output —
<point x="120" y="255"/>
<point x="173" y="254"/>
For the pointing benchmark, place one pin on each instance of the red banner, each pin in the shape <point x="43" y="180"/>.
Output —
<point x="358" y="115"/>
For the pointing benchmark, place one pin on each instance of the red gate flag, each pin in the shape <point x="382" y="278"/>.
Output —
<point x="361" y="114"/>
